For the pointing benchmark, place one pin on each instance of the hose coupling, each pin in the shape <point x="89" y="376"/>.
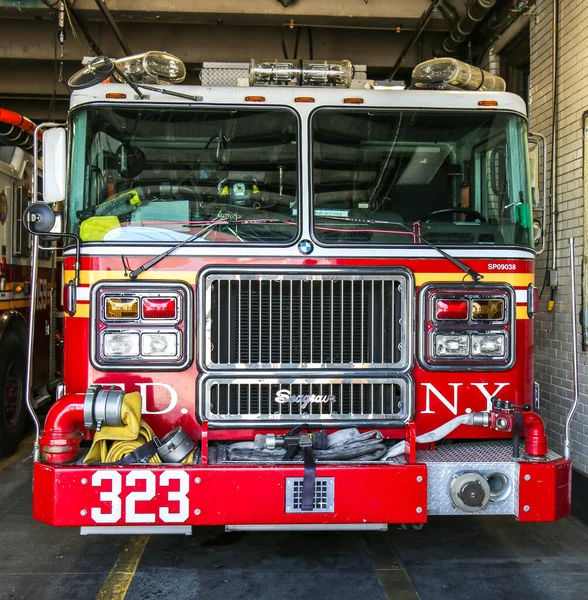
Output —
<point x="102" y="407"/>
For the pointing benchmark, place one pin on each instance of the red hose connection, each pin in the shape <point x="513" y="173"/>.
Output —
<point x="61" y="437"/>
<point x="535" y="438"/>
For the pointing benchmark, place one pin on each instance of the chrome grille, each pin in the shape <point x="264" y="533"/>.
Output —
<point x="310" y="319"/>
<point x="288" y="400"/>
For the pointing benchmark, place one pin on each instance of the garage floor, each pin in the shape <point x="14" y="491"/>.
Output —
<point x="451" y="558"/>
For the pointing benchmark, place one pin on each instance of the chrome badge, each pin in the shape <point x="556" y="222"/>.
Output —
<point x="305" y="247"/>
<point x="286" y="397"/>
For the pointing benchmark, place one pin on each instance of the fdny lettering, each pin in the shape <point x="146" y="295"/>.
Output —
<point x="451" y="400"/>
<point x="173" y="396"/>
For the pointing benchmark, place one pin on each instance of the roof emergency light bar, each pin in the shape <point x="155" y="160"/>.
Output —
<point x="310" y="73"/>
<point x="453" y="74"/>
<point x="151" y="67"/>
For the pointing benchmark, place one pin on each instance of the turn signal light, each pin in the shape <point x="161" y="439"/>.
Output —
<point x="159" y="308"/>
<point x="488" y="310"/>
<point x="122" y="308"/>
<point x="451" y="310"/>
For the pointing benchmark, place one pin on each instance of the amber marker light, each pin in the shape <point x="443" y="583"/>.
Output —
<point x="254" y="98"/>
<point x="18" y="288"/>
<point x="116" y="95"/>
<point x="303" y="99"/>
<point x="487" y="103"/>
<point x="488" y="310"/>
<point x="122" y="308"/>
<point x="352" y="100"/>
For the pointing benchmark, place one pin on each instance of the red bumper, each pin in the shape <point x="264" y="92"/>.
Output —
<point x="210" y="495"/>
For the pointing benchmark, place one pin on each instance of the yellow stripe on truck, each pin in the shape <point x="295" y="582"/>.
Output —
<point x="519" y="280"/>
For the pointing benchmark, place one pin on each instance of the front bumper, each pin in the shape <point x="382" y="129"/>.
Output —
<point x="256" y="495"/>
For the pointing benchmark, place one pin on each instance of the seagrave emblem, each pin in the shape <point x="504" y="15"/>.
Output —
<point x="284" y="396"/>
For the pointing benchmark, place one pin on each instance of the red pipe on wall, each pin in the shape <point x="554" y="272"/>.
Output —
<point x="61" y="437"/>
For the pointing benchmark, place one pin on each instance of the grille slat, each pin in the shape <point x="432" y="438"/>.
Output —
<point x="289" y="320"/>
<point x="341" y="399"/>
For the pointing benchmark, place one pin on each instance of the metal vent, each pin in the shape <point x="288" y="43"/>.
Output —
<point x="324" y="495"/>
<point x="315" y="319"/>
<point x="290" y="400"/>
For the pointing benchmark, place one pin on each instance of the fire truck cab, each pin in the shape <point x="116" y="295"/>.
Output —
<point x="295" y="299"/>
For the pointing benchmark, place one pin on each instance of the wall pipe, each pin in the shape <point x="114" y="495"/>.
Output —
<point x="554" y="81"/>
<point x="585" y="235"/>
<point x="568" y="443"/>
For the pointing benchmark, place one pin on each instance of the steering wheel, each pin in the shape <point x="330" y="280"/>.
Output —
<point x="471" y="214"/>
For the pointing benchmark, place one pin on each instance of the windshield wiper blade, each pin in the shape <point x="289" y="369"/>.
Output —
<point x="147" y="265"/>
<point x="214" y="223"/>
<point x="460" y="265"/>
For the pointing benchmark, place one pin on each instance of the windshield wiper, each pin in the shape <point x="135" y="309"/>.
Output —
<point x="147" y="265"/>
<point x="214" y="223"/>
<point x="467" y="270"/>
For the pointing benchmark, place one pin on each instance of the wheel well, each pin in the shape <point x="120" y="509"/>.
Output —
<point x="13" y="322"/>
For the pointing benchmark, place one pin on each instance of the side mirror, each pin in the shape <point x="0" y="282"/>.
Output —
<point x="38" y="218"/>
<point x="537" y="156"/>
<point x="54" y="165"/>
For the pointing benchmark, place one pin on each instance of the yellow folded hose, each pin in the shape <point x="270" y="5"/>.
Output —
<point x="118" y="450"/>
<point x="113" y="443"/>
<point x="122" y="448"/>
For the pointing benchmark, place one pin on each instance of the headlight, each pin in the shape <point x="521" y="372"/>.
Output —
<point x="121" y="345"/>
<point x="488" y="345"/>
<point x="452" y="345"/>
<point x="159" y="344"/>
<point x="467" y="328"/>
<point x="141" y="326"/>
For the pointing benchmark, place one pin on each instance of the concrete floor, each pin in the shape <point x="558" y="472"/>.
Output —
<point x="451" y="558"/>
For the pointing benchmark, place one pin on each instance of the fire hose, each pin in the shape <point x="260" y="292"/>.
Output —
<point x="346" y="444"/>
<point x="480" y="419"/>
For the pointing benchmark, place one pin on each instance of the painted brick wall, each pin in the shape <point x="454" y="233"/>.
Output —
<point x="553" y="337"/>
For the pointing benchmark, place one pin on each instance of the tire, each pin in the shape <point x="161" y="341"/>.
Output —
<point x="13" y="410"/>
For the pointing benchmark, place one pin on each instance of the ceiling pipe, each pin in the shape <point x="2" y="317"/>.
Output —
<point x="101" y="4"/>
<point x="476" y="10"/>
<point x="422" y="25"/>
<point x="449" y="13"/>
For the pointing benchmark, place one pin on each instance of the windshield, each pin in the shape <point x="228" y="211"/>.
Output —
<point x="150" y="174"/>
<point x="388" y="176"/>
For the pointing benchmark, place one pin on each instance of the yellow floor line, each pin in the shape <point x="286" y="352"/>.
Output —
<point x="119" y="579"/>
<point x="25" y="447"/>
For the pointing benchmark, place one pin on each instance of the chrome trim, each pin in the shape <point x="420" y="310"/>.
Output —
<point x="291" y="251"/>
<point x="248" y="411"/>
<point x="263" y="349"/>
<point x="185" y="333"/>
<point x="470" y="326"/>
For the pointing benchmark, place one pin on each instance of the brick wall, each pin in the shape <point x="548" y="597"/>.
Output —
<point x="553" y="338"/>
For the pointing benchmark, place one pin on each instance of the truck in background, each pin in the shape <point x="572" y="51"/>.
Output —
<point x="16" y="173"/>
<point x="295" y="299"/>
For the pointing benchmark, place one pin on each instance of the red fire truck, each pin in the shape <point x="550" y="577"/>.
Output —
<point x="16" y="170"/>
<point x="296" y="298"/>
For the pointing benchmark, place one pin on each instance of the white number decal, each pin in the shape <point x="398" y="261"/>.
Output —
<point x="112" y="496"/>
<point x="131" y="515"/>
<point x="130" y="512"/>
<point x="502" y="267"/>
<point x="180" y="496"/>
